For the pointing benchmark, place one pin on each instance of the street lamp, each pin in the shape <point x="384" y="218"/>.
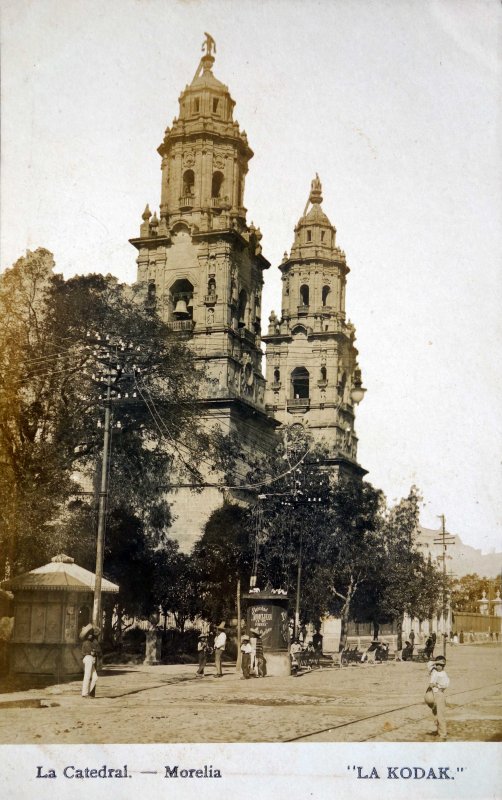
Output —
<point x="358" y="391"/>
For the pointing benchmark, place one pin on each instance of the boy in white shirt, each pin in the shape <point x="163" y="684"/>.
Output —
<point x="435" y="695"/>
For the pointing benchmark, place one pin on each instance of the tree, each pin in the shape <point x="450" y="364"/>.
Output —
<point x="222" y="555"/>
<point x="405" y="582"/>
<point x="49" y="440"/>
<point x="327" y="524"/>
<point x="175" y="586"/>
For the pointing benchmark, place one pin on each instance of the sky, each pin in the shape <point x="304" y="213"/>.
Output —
<point x="393" y="102"/>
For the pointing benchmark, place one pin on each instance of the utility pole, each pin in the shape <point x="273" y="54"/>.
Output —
<point x="298" y="587"/>
<point x="107" y="353"/>
<point x="103" y="497"/>
<point x="445" y="540"/>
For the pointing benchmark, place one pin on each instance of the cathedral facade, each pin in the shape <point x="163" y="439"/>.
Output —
<point x="203" y="269"/>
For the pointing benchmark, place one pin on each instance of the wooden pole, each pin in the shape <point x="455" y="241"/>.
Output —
<point x="238" y="661"/>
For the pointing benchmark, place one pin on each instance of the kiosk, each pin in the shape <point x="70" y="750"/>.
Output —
<point x="51" y="606"/>
<point x="267" y="613"/>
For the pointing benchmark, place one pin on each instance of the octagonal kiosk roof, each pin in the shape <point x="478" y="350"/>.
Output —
<point x="60" y="574"/>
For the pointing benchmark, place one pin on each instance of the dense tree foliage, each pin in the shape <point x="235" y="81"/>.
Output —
<point x="354" y="557"/>
<point x="221" y="557"/>
<point x="50" y="442"/>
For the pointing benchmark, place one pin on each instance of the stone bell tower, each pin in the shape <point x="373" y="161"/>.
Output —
<point x="313" y="378"/>
<point x="200" y="262"/>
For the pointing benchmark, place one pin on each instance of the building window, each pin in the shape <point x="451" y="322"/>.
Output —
<point x="322" y="235"/>
<point x="309" y="236"/>
<point x="277" y="376"/>
<point x="323" y="374"/>
<point x="196" y="105"/>
<point x="188" y="183"/>
<point x="243" y="301"/>
<point x="215" y="105"/>
<point x="216" y="184"/>
<point x="304" y="295"/>
<point x="300" y="383"/>
<point x="325" y="294"/>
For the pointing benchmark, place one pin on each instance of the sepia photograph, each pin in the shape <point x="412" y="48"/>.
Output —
<point x="250" y="419"/>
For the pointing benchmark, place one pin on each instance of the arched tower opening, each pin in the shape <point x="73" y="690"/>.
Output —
<point x="188" y="183"/>
<point x="300" y="388"/>
<point x="216" y="184"/>
<point x="181" y="300"/>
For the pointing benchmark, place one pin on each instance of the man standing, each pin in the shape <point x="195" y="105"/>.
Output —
<point x="412" y="638"/>
<point x="91" y="650"/>
<point x="219" y="647"/>
<point x="202" y="651"/>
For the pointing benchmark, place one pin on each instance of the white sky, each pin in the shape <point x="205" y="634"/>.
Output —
<point x="393" y="102"/>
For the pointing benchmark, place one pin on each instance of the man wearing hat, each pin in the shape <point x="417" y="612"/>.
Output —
<point x="202" y="650"/>
<point x="90" y="652"/>
<point x="435" y="694"/>
<point x="246" y="651"/>
<point x="219" y="647"/>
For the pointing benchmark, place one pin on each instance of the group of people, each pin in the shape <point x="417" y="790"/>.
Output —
<point x="253" y="662"/>
<point x="409" y="646"/>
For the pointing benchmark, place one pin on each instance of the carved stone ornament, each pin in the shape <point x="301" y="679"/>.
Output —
<point x="189" y="158"/>
<point x="219" y="162"/>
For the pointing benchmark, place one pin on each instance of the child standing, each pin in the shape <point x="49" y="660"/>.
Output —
<point x="435" y="694"/>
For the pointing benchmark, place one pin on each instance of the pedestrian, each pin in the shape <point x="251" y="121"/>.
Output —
<point x="202" y="652"/>
<point x="435" y="694"/>
<point x="261" y="664"/>
<point x="246" y="651"/>
<point x="434" y="640"/>
<point x="412" y="637"/>
<point x="461" y="637"/>
<point x="91" y="651"/>
<point x="295" y="651"/>
<point x="317" y="640"/>
<point x="429" y="647"/>
<point x="407" y="653"/>
<point x="219" y="648"/>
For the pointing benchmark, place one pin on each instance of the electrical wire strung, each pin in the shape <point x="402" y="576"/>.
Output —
<point x="265" y="482"/>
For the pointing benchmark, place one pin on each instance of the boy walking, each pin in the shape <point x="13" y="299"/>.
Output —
<point x="435" y="694"/>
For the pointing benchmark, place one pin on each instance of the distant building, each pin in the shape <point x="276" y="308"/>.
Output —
<point x="461" y="559"/>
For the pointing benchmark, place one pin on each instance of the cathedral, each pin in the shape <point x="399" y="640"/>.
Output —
<point x="203" y="269"/>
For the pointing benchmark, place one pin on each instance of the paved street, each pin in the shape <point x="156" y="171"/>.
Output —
<point x="168" y="704"/>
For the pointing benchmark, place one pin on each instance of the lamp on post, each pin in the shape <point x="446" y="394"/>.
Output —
<point x="358" y="391"/>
